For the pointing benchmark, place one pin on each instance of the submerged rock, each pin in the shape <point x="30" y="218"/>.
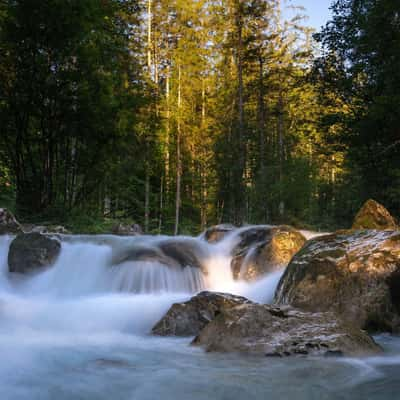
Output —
<point x="373" y="215"/>
<point x="8" y="224"/>
<point x="187" y="253"/>
<point x="264" y="249"/>
<point x="187" y="319"/>
<point x="270" y="331"/>
<point x="216" y="233"/>
<point x="145" y="254"/>
<point x="169" y="252"/>
<point x="30" y="251"/>
<point x="354" y="274"/>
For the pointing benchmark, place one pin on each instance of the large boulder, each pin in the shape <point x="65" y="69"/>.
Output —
<point x="355" y="274"/>
<point x="30" y="251"/>
<point x="269" y="331"/>
<point x="264" y="249"/>
<point x="189" y="318"/>
<point x="8" y="224"/>
<point x="373" y="215"/>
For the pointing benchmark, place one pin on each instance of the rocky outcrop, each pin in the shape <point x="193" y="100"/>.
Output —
<point x="275" y="332"/>
<point x="373" y="215"/>
<point x="122" y="229"/>
<point x="264" y="249"/>
<point x="189" y="318"/>
<point x="354" y="274"/>
<point x="216" y="233"/>
<point x="8" y="224"/>
<point x="30" y="251"/>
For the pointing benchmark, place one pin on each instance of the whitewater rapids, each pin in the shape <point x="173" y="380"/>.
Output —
<point x="80" y="330"/>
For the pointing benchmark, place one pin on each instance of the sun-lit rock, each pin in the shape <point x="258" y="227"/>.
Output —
<point x="264" y="249"/>
<point x="355" y="274"/>
<point x="373" y="215"/>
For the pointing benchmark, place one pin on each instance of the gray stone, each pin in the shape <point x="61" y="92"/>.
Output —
<point x="276" y="332"/>
<point x="187" y="319"/>
<point x="32" y="251"/>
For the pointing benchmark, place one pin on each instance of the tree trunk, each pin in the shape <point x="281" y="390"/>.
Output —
<point x="178" y="158"/>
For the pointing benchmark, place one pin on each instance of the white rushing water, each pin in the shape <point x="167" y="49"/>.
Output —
<point x="80" y="330"/>
<point x="86" y="291"/>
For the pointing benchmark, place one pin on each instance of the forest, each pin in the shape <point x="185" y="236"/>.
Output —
<point x="180" y="114"/>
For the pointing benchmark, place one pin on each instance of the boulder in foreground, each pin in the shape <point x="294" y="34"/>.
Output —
<point x="30" y="251"/>
<point x="356" y="275"/>
<point x="189" y="318"/>
<point x="373" y="215"/>
<point x="277" y="332"/>
<point x="8" y="224"/>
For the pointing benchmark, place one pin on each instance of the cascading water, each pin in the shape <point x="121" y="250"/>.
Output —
<point x="108" y="283"/>
<point x="79" y="329"/>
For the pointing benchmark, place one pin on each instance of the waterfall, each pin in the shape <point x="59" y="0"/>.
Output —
<point x="106" y="283"/>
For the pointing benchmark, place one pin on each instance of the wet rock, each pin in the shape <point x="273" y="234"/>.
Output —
<point x="278" y="332"/>
<point x="355" y="274"/>
<point x="122" y="229"/>
<point x="373" y="215"/>
<point x="30" y="251"/>
<point x="8" y="224"/>
<point x="176" y="253"/>
<point x="145" y="254"/>
<point x="187" y="319"/>
<point x="186" y="253"/>
<point x="216" y="233"/>
<point x="264" y="249"/>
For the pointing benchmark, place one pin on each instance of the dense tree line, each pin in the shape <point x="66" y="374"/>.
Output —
<point x="184" y="113"/>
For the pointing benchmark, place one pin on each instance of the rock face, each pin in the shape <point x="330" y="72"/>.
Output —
<point x="187" y="319"/>
<point x="269" y="331"/>
<point x="216" y="233"/>
<point x="30" y="251"/>
<point x="354" y="274"/>
<point x="373" y="215"/>
<point x="127" y="230"/>
<point x="8" y="223"/>
<point x="264" y="249"/>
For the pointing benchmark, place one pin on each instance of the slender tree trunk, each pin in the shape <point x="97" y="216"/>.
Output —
<point x="240" y="151"/>
<point x="147" y="165"/>
<point x="178" y="157"/>
<point x="281" y="154"/>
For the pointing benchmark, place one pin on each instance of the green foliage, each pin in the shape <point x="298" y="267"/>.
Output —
<point x="181" y="114"/>
<point x="361" y="66"/>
